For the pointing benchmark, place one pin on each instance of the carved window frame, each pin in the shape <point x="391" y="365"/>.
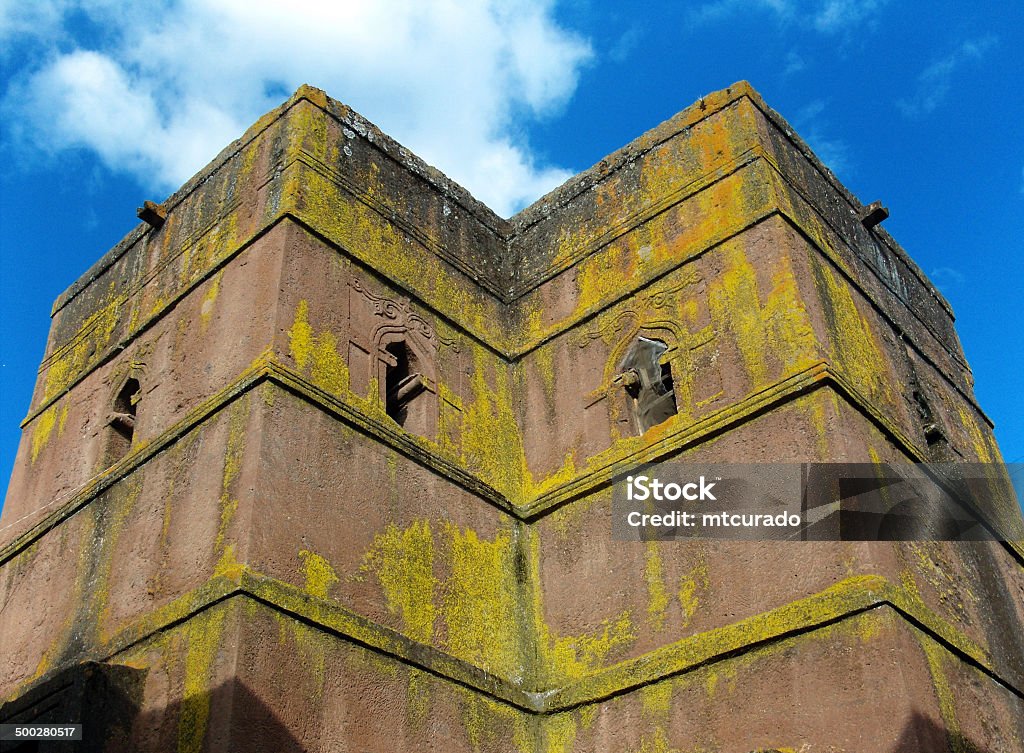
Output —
<point x="417" y="398"/>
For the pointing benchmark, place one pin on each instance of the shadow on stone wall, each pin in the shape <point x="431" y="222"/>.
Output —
<point x="922" y="735"/>
<point x="235" y="720"/>
<point x="106" y="695"/>
<point x="106" y="699"/>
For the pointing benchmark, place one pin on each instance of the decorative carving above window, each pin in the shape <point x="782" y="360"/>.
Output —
<point x="400" y="314"/>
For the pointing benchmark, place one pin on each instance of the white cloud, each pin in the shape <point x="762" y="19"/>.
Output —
<point x="840" y="15"/>
<point x="626" y="44"/>
<point x="947" y="279"/>
<point x="794" y="63"/>
<point x="447" y="78"/>
<point x="25" y="21"/>
<point x="40" y="18"/>
<point x="811" y="110"/>
<point x="812" y="123"/>
<point x="934" y="82"/>
<point x="721" y="9"/>
<point x="833" y="152"/>
<point x="828" y="16"/>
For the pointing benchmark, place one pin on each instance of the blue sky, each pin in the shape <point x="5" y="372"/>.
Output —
<point x="915" y="103"/>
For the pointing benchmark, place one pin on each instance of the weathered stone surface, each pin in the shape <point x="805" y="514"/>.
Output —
<point x="326" y="455"/>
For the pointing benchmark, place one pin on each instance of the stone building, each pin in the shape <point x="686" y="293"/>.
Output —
<point x="320" y="458"/>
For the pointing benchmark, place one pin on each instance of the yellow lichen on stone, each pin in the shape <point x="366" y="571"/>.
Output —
<point x="534" y="329"/>
<point x="562" y="659"/>
<point x="814" y="611"/>
<point x="158" y="305"/>
<point x="565" y="520"/>
<point x="403" y="562"/>
<point x="480" y="605"/>
<point x="566" y="473"/>
<point x="543" y="364"/>
<point x="319" y="574"/>
<point x="311" y="644"/>
<point x="657" y="594"/>
<point x="488" y="724"/>
<point x="88" y="344"/>
<point x="479" y="595"/>
<point x="418" y="698"/>
<point x="734" y="300"/>
<point x="204" y="634"/>
<point x="818" y="405"/>
<point x="309" y="128"/>
<point x="791" y="337"/>
<point x="82" y="550"/>
<point x="567" y="244"/>
<point x="449" y="428"/>
<point x="716" y="141"/>
<point x="588" y="714"/>
<point x="599" y="277"/>
<point x="492" y="445"/>
<point x="491" y="439"/>
<point x="228" y="508"/>
<point x="956" y="596"/>
<point x="572" y="657"/>
<point x="985" y="448"/>
<point x="233" y="454"/>
<point x="656" y="700"/>
<point x="657" y="742"/>
<point x="206" y="310"/>
<point x="228" y="565"/>
<point x="235" y="448"/>
<point x="934" y="654"/>
<point x="113" y="519"/>
<point x="558" y="733"/>
<point x="718" y="211"/>
<point x="690" y="585"/>
<point x="44" y="424"/>
<point x="710" y="682"/>
<point x="375" y="240"/>
<point x="855" y="349"/>
<point x="329" y="369"/>
<point x="267" y="394"/>
<point x="300" y="336"/>
<point x="777" y="332"/>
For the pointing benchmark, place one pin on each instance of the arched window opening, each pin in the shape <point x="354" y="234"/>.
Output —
<point x="402" y="381"/>
<point x="647" y="380"/>
<point x="122" y="421"/>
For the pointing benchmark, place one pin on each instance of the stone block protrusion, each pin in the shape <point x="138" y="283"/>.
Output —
<point x="873" y="214"/>
<point x="152" y="214"/>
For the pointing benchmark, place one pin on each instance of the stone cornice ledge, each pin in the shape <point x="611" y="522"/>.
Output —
<point x="842" y="601"/>
<point x="354" y="412"/>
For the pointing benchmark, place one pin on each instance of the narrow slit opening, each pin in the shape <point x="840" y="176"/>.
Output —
<point x="397" y="382"/>
<point x="122" y="421"/>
